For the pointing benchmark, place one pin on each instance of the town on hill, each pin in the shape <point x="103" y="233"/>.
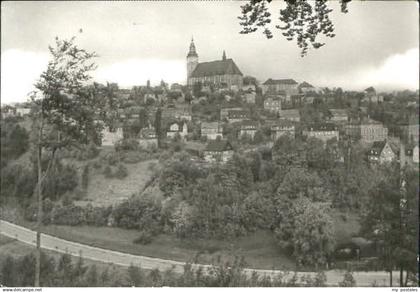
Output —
<point x="223" y="180"/>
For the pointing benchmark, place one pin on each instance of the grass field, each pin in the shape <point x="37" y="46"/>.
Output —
<point x="104" y="191"/>
<point x="259" y="249"/>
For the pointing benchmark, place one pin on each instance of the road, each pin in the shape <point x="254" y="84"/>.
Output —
<point x="125" y="259"/>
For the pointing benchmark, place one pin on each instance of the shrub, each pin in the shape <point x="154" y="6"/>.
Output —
<point x="97" y="216"/>
<point x="144" y="238"/>
<point x="85" y="177"/>
<point x="67" y="215"/>
<point x="142" y="213"/>
<point x="121" y="172"/>
<point x="132" y="157"/>
<point x="127" y="145"/>
<point x="108" y="172"/>
<point x="96" y="164"/>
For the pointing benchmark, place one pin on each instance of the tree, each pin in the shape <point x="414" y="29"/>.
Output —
<point x="136" y="276"/>
<point x="64" y="112"/>
<point x="313" y="236"/>
<point x="92" y="277"/>
<point x="348" y="280"/>
<point x="302" y="20"/>
<point x="390" y="219"/>
<point x="307" y="230"/>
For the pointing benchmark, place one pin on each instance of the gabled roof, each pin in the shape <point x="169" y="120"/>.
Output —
<point x="338" y="112"/>
<point x="220" y="67"/>
<point x="322" y="127"/>
<point x="290" y="113"/>
<point x="305" y="84"/>
<point x="218" y="146"/>
<point x="210" y="125"/>
<point x="377" y="147"/>
<point x="248" y="124"/>
<point x="279" y="81"/>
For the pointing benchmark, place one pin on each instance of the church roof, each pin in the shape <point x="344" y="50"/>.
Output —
<point x="220" y="67"/>
<point x="279" y="81"/>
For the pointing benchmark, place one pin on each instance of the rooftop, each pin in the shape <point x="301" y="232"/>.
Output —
<point x="279" y="81"/>
<point x="220" y="67"/>
<point x="218" y="145"/>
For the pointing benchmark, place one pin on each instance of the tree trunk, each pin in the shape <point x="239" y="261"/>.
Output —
<point x="390" y="277"/>
<point x="401" y="276"/>
<point x="39" y="215"/>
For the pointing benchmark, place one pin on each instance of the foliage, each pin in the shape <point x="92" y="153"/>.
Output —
<point x="348" y="280"/>
<point x="306" y="228"/>
<point x="85" y="177"/>
<point x="63" y="179"/>
<point x="121" y="172"/>
<point x="303" y="21"/>
<point x="141" y="213"/>
<point x="145" y="237"/>
<point x="14" y="141"/>
<point x="390" y="218"/>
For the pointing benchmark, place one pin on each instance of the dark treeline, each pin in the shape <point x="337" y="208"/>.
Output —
<point x="67" y="272"/>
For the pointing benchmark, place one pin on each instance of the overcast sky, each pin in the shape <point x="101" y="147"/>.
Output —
<point x="376" y="43"/>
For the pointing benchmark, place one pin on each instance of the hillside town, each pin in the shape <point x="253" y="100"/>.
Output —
<point x="236" y="176"/>
<point x="220" y="104"/>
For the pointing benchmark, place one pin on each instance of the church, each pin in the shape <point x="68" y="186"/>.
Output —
<point x="222" y="72"/>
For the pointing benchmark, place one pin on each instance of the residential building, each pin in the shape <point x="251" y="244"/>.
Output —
<point x="176" y="128"/>
<point x="224" y="112"/>
<point x="237" y="116"/>
<point x="248" y="128"/>
<point x="148" y="137"/>
<point x="110" y="136"/>
<point x="21" y="111"/>
<point x="289" y="86"/>
<point x="381" y="152"/>
<point x="250" y="96"/>
<point x="272" y="104"/>
<point x="416" y="154"/>
<point x="339" y="115"/>
<point x="218" y="72"/>
<point x="305" y="87"/>
<point x="211" y="130"/>
<point x="282" y="128"/>
<point x="290" y="114"/>
<point x="218" y="151"/>
<point x="371" y="131"/>
<point x="324" y="132"/>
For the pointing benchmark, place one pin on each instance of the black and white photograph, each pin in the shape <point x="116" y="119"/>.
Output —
<point x="245" y="143"/>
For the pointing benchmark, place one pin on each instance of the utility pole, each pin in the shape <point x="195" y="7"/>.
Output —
<point x="403" y="205"/>
<point x="39" y="200"/>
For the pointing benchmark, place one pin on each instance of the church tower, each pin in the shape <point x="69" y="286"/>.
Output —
<point x="192" y="60"/>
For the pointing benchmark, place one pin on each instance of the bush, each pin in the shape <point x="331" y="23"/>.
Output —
<point x="127" y="145"/>
<point x="96" y="164"/>
<point x="108" y="172"/>
<point x="67" y="215"/>
<point x="121" y="172"/>
<point x="144" y="238"/>
<point x="132" y="157"/>
<point x="97" y="216"/>
<point x="142" y="213"/>
<point x="85" y="177"/>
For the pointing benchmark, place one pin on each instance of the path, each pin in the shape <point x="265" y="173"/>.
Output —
<point x="124" y="259"/>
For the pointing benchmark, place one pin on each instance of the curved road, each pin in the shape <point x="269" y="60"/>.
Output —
<point x="124" y="259"/>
